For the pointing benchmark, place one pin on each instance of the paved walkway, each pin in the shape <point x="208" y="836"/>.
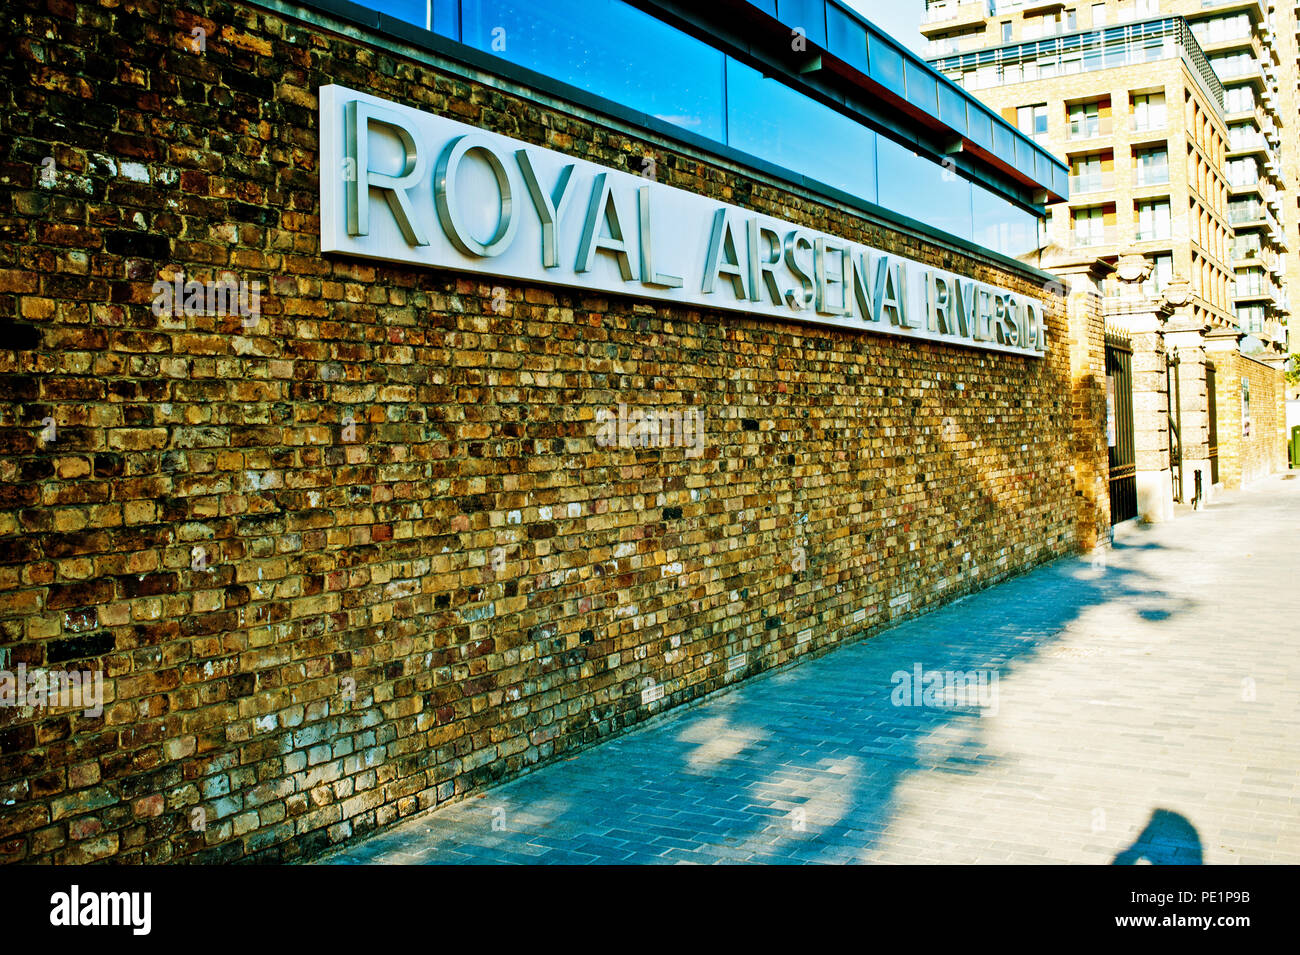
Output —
<point x="1147" y="710"/>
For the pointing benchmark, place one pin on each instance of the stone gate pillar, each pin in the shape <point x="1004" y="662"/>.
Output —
<point x="1081" y="287"/>
<point x="1143" y="318"/>
<point x="1185" y="342"/>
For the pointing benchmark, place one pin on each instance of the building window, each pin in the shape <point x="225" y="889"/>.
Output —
<point x="1149" y="111"/>
<point x="1152" y="166"/>
<point x="1153" y="220"/>
<point x="1162" y="273"/>
<point x="1006" y="33"/>
<point x="1090" y="226"/>
<point x="1098" y="15"/>
<point x="1088" y="175"/>
<point x="1085" y="120"/>
<point x="1032" y="120"/>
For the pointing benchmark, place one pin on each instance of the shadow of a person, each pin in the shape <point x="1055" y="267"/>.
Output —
<point x="1168" y="839"/>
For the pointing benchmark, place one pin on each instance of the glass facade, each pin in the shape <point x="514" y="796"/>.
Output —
<point x="607" y="48"/>
<point x="625" y="55"/>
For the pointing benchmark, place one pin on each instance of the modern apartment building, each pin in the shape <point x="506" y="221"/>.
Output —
<point x="1170" y="115"/>
<point x="1171" y="119"/>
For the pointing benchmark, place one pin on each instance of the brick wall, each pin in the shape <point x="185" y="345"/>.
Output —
<point x="307" y="634"/>
<point x="1246" y="458"/>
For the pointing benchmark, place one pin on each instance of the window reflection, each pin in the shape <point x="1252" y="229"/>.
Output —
<point x="1002" y="226"/>
<point x="921" y="189"/>
<point x="410" y="11"/>
<point x="607" y="48"/>
<point x="768" y="119"/>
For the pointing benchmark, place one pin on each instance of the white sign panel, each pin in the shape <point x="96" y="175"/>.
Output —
<point x="403" y="185"/>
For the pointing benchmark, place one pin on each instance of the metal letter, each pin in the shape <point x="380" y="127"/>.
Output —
<point x="549" y="208"/>
<point x="761" y="273"/>
<point x="358" y="117"/>
<point x="888" y="295"/>
<point x="860" y="283"/>
<point x="796" y="241"/>
<point x="444" y="181"/>
<point x="722" y="258"/>
<point x="648" y="274"/>
<point x="603" y="208"/>
<point x="823" y="281"/>
<point x="937" y="300"/>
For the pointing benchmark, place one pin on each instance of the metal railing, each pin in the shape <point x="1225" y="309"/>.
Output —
<point x="1121" y="45"/>
<point x="1091" y="182"/>
<point x="1153" y="176"/>
<point x="1091" y="238"/>
<point x="1089" y="127"/>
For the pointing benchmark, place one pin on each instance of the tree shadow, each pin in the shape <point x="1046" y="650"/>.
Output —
<point x="1168" y="839"/>
<point x="806" y="763"/>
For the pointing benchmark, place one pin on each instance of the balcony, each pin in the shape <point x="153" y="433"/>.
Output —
<point x="1246" y="216"/>
<point x="1156" y="233"/>
<point x="1255" y="7"/>
<point x="1152" y="176"/>
<point x="1150" y="124"/>
<point x="1091" y="127"/>
<point x="955" y="16"/>
<point x="1093" y="238"/>
<point x="1244" y="258"/>
<point x="1222" y="43"/>
<point x="1235" y="71"/>
<point x="1091" y="182"/>
<point x="1241" y="146"/>
<point x="1254" y="292"/>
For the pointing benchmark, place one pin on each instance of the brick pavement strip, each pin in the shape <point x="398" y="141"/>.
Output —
<point x="1146" y="710"/>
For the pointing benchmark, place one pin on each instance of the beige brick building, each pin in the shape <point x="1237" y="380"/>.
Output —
<point x="1171" y="115"/>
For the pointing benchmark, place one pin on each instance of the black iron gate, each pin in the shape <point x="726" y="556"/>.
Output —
<point x="1174" y="409"/>
<point x="1213" y="408"/>
<point x="1119" y="429"/>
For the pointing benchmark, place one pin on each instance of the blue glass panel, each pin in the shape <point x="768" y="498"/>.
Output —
<point x="446" y="18"/>
<point x="846" y="38"/>
<point x="1004" y="143"/>
<point x="886" y="64"/>
<point x="767" y="6"/>
<point x="409" y="11"/>
<point x="915" y="186"/>
<point x="1024" y="156"/>
<point x="952" y="108"/>
<point x="1002" y="226"/>
<point x="770" y="120"/>
<point x="981" y="129"/>
<point x="1061" y="181"/>
<point x="922" y="89"/>
<point x="610" y="49"/>
<point x="807" y="15"/>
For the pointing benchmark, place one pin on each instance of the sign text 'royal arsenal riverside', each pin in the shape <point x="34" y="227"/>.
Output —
<point x="403" y="185"/>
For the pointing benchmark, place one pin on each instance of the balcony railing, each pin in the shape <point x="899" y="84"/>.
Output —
<point x="1091" y="238"/>
<point x="1153" y="175"/>
<point x="1091" y="182"/>
<point x="951" y="11"/>
<point x="1160" y="233"/>
<point x="1247" y="143"/>
<point x="954" y="15"/>
<point x="1149" y="124"/>
<point x="1082" y="52"/>
<point x="1089" y="128"/>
